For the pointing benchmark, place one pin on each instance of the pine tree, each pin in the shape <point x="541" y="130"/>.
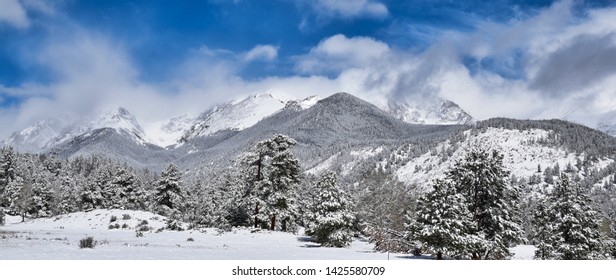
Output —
<point x="272" y="174"/>
<point x="330" y="222"/>
<point x="444" y="225"/>
<point x="18" y="193"/>
<point x="571" y="230"/>
<point x="543" y="232"/>
<point x="127" y="193"/>
<point x="67" y="195"/>
<point x="168" y="194"/>
<point x="91" y="197"/>
<point x="492" y="202"/>
<point x="2" y="216"/>
<point x="41" y="200"/>
<point x="7" y="173"/>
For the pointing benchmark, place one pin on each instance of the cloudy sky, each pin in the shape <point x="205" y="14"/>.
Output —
<point x="520" y="59"/>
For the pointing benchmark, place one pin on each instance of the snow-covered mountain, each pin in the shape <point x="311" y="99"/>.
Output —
<point x="54" y="131"/>
<point x="166" y="133"/>
<point x="241" y="114"/>
<point x="236" y="115"/>
<point x="120" y="119"/>
<point x="428" y="111"/>
<point x="34" y="138"/>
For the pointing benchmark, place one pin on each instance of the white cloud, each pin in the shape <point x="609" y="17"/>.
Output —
<point x="94" y="73"/>
<point x="13" y="13"/>
<point x="262" y="52"/>
<point x="338" y="52"/>
<point x="349" y="9"/>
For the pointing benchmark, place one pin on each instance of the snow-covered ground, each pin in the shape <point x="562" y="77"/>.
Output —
<point x="58" y="238"/>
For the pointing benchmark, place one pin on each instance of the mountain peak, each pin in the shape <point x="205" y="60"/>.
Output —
<point x="428" y="111"/>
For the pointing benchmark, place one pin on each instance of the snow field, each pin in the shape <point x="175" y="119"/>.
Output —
<point x="57" y="238"/>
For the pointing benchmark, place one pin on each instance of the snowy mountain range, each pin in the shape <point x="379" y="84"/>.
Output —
<point x="341" y="133"/>
<point x="235" y="115"/>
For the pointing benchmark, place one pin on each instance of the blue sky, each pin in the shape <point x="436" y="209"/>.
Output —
<point x="186" y="56"/>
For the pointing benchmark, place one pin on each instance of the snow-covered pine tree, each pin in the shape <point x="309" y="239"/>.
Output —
<point x="7" y="173"/>
<point x="91" y="196"/>
<point x="284" y="177"/>
<point x="2" y="217"/>
<point x="168" y="196"/>
<point x="41" y="200"/>
<point x="67" y="193"/>
<point x="444" y="225"/>
<point x="330" y="221"/>
<point x="272" y="173"/>
<point x="543" y="231"/>
<point x="572" y="225"/>
<point x="18" y="193"/>
<point x="127" y="193"/>
<point x="483" y="180"/>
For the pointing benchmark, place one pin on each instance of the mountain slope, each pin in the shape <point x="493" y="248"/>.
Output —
<point x="339" y="122"/>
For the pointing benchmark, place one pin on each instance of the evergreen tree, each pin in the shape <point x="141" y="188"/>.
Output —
<point x="444" y="225"/>
<point x="7" y="173"/>
<point x="330" y="222"/>
<point x="571" y="230"/>
<point x="543" y="232"/>
<point x="19" y="193"/>
<point x="481" y="178"/>
<point x="168" y="194"/>
<point x="127" y="193"/>
<point x="67" y="193"/>
<point x="272" y="174"/>
<point x="2" y="216"/>
<point x="91" y="197"/>
<point x="41" y="200"/>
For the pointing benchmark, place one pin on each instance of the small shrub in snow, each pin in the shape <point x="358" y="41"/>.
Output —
<point x="113" y="219"/>
<point x="126" y="217"/>
<point x="190" y="239"/>
<point x="111" y="227"/>
<point x="143" y="223"/>
<point x="138" y="233"/>
<point x="174" y="225"/>
<point x="87" y="242"/>
<point x="117" y="226"/>
<point x="124" y="226"/>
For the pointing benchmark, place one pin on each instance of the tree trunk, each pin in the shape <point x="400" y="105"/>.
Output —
<point x="257" y="215"/>
<point x="439" y="255"/>
<point x="259" y="167"/>
<point x="273" y="222"/>
<point x="283" y="226"/>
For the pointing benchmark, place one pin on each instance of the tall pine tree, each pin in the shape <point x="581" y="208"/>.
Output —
<point x="444" y="225"/>
<point x="481" y="177"/>
<point x="272" y="174"/>
<point x="168" y="196"/>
